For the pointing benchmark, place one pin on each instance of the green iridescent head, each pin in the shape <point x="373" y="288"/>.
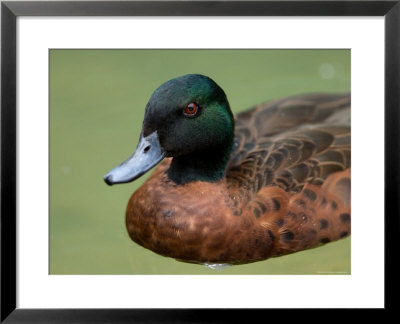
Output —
<point x="187" y="118"/>
<point x="208" y="122"/>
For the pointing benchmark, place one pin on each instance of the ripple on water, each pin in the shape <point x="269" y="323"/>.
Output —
<point x="217" y="266"/>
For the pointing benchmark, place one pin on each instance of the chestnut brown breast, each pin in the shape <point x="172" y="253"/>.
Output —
<point x="208" y="223"/>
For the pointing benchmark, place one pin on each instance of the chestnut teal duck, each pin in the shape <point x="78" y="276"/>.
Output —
<point x="235" y="189"/>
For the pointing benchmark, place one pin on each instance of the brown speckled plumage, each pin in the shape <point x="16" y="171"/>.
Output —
<point x="286" y="188"/>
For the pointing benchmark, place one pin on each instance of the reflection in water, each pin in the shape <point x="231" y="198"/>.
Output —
<point x="217" y="266"/>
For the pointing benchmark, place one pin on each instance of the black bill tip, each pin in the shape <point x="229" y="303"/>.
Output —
<point x="108" y="180"/>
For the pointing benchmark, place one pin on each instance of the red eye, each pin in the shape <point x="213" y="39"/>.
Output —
<point x="191" y="109"/>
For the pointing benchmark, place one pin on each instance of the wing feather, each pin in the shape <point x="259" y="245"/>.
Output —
<point x="291" y="142"/>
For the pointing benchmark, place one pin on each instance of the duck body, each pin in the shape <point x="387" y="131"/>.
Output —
<point x="191" y="222"/>
<point x="272" y="180"/>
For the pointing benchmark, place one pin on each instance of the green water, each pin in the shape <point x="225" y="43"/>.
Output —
<point x="97" y="100"/>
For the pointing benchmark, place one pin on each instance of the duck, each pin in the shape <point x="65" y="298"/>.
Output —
<point x="234" y="189"/>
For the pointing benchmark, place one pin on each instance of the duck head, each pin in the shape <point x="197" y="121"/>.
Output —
<point x="187" y="118"/>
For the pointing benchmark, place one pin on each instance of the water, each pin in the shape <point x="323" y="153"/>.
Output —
<point x="217" y="266"/>
<point x="97" y="101"/>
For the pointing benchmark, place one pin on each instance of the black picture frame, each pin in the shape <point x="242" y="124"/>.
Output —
<point x="10" y="10"/>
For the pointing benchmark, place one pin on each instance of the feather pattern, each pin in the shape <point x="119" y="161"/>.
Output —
<point x="291" y="162"/>
<point x="286" y="188"/>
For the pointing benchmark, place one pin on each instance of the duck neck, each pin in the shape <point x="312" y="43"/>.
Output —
<point x="205" y="165"/>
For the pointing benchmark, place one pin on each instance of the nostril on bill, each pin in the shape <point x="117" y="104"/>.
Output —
<point x="146" y="149"/>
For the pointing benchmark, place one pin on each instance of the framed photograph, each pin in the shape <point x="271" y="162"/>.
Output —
<point x="84" y="82"/>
